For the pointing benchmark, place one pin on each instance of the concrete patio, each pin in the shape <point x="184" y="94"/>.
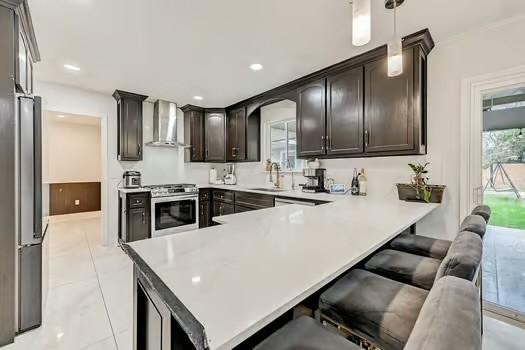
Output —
<point x="504" y="267"/>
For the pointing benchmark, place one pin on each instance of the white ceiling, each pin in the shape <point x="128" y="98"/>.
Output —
<point x="175" y="49"/>
<point x="58" y="117"/>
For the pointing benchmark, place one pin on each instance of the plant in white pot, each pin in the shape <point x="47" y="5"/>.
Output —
<point x="418" y="190"/>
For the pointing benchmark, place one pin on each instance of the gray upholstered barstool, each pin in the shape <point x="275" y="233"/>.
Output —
<point x="372" y="307"/>
<point x="305" y="333"/>
<point x="462" y="260"/>
<point x="438" y="248"/>
<point x="394" y="316"/>
<point x="474" y="223"/>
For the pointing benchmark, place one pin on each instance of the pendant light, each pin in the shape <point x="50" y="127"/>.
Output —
<point x="395" y="45"/>
<point x="361" y="22"/>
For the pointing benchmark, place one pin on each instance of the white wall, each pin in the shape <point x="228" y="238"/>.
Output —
<point x="479" y="52"/>
<point x="71" y="151"/>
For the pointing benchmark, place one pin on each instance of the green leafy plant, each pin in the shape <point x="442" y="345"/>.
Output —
<point x="419" y="181"/>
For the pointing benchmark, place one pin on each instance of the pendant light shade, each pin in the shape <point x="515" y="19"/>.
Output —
<point x="361" y="22"/>
<point x="395" y="50"/>
<point x="395" y="56"/>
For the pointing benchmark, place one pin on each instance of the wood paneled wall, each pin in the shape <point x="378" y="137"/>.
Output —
<point x="62" y="197"/>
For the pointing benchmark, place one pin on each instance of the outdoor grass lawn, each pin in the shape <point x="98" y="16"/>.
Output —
<point x="507" y="210"/>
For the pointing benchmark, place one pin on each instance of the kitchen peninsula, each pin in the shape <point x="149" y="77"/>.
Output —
<point x="217" y="287"/>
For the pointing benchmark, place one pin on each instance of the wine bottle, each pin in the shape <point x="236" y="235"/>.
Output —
<point x="355" y="184"/>
<point x="362" y="182"/>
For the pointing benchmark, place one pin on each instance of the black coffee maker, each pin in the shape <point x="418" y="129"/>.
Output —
<point x="315" y="178"/>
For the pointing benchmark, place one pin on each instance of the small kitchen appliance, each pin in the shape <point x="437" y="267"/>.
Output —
<point x="131" y="179"/>
<point x="315" y="178"/>
<point x="174" y="208"/>
<point x="230" y="178"/>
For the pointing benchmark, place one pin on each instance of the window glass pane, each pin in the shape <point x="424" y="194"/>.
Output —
<point x="278" y="142"/>
<point x="283" y="143"/>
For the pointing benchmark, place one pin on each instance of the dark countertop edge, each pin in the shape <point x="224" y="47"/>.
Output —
<point x="193" y="328"/>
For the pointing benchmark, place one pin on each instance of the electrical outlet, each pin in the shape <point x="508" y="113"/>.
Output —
<point x="77" y="201"/>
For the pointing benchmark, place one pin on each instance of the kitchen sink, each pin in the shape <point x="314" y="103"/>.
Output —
<point x="268" y="189"/>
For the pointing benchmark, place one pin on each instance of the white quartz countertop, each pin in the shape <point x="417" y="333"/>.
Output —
<point x="237" y="278"/>
<point x="288" y="193"/>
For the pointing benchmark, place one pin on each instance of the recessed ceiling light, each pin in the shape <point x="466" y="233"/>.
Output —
<point x="256" y="66"/>
<point x="71" y="67"/>
<point x="198" y="98"/>
<point x="61" y="116"/>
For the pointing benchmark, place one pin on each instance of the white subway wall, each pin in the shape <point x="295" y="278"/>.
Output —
<point x="485" y="50"/>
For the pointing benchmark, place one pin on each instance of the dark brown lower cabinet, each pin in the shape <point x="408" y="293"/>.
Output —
<point x="135" y="220"/>
<point x="204" y="214"/>
<point x="221" y="208"/>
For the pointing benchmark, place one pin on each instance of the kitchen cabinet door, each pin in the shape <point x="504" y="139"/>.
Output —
<point x="236" y="135"/>
<point x="220" y="208"/>
<point x="311" y="119"/>
<point x="194" y="131"/>
<point x="204" y="214"/>
<point x="215" y="136"/>
<point x="129" y="113"/>
<point x="345" y="113"/>
<point x="389" y="107"/>
<point x="138" y="224"/>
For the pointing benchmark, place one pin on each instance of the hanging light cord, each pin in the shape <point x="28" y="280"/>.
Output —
<point x="395" y="17"/>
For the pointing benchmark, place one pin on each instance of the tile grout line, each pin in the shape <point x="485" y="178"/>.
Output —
<point x="100" y="289"/>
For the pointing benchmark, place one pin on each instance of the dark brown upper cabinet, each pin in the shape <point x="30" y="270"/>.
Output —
<point x="344" y="117"/>
<point x="129" y="124"/>
<point x="311" y="119"/>
<point x="215" y="135"/>
<point x="236" y="135"/>
<point x="393" y="107"/>
<point x="194" y="131"/>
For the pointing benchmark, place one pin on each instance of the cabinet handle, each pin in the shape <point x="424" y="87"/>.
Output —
<point x="140" y="149"/>
<point x="143" y="217"/>
<point x="220" y="210"/>
<point x="206" y="154"/>
<point x="322" y="143"/>
<point x="367" y="137"/>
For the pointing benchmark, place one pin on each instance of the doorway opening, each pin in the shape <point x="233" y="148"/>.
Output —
<point x="503" y="181"/>
<point x="72" y="163"/>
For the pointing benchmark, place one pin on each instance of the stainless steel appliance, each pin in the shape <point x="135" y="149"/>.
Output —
<point x="174" y="209"/>
<point x="29" y="228"/>
<point x="165" y="125"/>
<point x="131" y="179"/>
<point x="315" y="178"/>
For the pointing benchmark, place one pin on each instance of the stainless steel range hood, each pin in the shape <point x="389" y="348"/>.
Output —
<point x="165" y="125"/>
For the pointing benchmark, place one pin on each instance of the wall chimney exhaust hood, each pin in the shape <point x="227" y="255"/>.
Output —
<point x="165" y="125"/>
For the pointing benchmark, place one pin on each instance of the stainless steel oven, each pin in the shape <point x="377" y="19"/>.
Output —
<point x="174" y="212"/>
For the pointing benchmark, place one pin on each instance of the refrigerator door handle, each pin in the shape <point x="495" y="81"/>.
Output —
<point x="37" y="156"/>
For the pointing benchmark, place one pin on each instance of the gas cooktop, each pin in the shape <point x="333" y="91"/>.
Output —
<point x="172" y="189"/>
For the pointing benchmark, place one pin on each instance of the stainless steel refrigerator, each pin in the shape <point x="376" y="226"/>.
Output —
<point x="30" y="229"/>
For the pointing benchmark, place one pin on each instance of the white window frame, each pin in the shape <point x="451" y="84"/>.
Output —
<point x="268" y="145"/>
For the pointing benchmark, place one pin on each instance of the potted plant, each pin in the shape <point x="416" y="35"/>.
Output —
<point x="418" y="190"/>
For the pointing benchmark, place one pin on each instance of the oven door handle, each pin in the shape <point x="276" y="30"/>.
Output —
<point x="173" y="199"/>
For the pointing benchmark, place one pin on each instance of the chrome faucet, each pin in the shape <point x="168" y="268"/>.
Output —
<point x="276" y="183"/>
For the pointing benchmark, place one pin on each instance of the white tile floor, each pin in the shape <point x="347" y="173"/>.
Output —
<point x="89" y="306"/>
